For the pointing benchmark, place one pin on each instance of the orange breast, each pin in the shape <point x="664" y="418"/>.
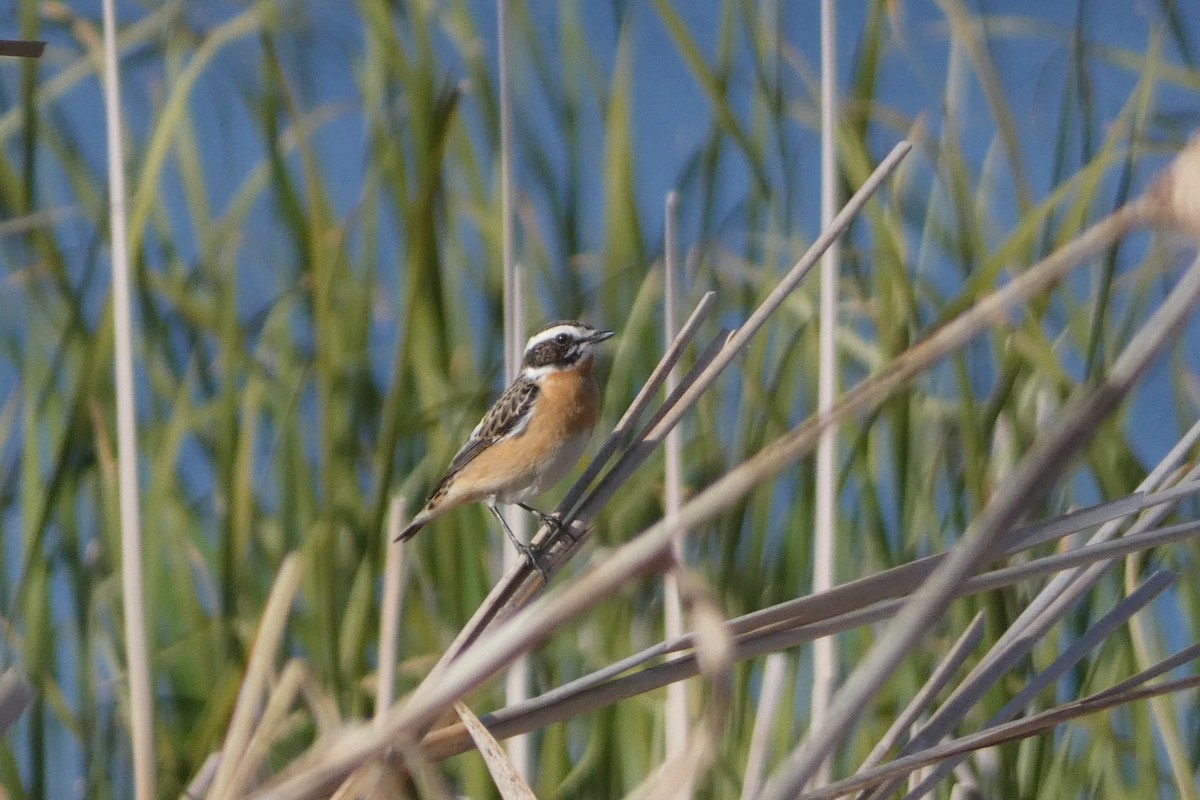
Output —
<point x="567" y="406"/>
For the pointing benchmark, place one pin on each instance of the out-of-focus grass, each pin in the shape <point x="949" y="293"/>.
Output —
<point x="280" y="421"/>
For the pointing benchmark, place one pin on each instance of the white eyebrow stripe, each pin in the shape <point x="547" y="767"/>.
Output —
<point x="550" y="333"/>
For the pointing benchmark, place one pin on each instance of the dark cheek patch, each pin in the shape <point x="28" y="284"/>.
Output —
<point x="544" y="354"/>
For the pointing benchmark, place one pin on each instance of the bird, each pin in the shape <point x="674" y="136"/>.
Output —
<point x="531" y="436"/>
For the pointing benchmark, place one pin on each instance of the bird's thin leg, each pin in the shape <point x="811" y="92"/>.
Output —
<point x="523" y="549"/>
<point x="550" y="521"/>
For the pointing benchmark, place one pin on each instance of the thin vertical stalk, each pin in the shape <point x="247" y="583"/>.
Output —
<point x="389" y="622"/>
<point x="507" y="218"/>
<point x="676" y="728"/>
<point x="136" y="647"/>
<point x="769" y="695"/>
<point x="516" y="683"/>
<point x="516" y="686"/>
<point x="825" y="650"/>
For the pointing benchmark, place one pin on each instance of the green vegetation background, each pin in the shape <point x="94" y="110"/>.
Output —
<point x="284" y="428"/>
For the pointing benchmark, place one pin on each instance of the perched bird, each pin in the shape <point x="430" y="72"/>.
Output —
<point x="531" y="437"/>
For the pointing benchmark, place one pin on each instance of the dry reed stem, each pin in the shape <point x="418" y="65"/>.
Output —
<point x="505" y="774"/>
<point x="769" y="695"/>
<point x="137" y="651"/>
<point x="287" y="688"/>
<point x="1050" y="453"/>
<point x="938" y="680"/>
<point x="389" y="618"/>
<point x="675" y="727"/>
<point x="203" y="778"/>
<point x="1064" y="591"/>
<point x="1033" y="725"/>
<point x="825" y="512"/>
<point x="258" y="671"/>
<point x="752" y="641"/>
<point x="516" y="685"/>
<point x="1091" y="638"/>
<point x="1189" y="653"/>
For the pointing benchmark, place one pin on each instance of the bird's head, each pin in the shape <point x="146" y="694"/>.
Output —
<point x="560" y="346"/>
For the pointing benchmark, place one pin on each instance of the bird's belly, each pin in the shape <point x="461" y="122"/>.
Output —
<point x="552" y="469"/>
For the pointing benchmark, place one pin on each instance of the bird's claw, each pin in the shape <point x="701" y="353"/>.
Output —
<point x="531" y="557"/>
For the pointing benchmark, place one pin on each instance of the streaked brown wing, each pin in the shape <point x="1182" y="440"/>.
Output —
<point x="507" y="416"/>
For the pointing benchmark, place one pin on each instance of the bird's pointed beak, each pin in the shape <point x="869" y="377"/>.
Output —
<point x="600" y="336"/>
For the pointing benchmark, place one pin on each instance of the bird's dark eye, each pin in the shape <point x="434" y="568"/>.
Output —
<point x="563" y="339"/>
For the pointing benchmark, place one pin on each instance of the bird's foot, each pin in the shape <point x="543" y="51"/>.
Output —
<point x="531" y="556"/>
<point x="553" y="523"/>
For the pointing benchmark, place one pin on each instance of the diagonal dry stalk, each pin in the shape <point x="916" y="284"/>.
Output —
<point x="825" y="656"/>
<point x="792" y="623"/>
<point x="517" y="680"/>
<point x="1063" y="592"/>
<point x="266" y="645"/>
<point x="505" y="773"/>
<point x="258" y="747"/>
<point x="1073" y="654"/>
<point x="1033" y="725"/>
<point x="938" y="680"/>
<point x="1083" y="413"/>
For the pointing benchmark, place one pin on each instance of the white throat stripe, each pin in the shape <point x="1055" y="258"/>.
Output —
<point x="533" y="373"/>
